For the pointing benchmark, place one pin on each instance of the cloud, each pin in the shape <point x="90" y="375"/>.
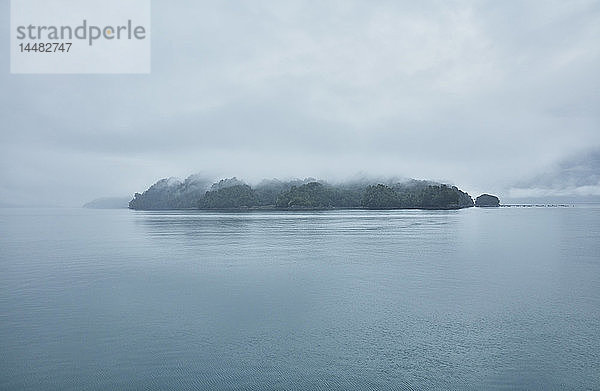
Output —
<point x="577" y="176"/>
<point x="482" y="94"/>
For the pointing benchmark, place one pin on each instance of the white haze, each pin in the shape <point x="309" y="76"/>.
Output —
<point x="487" y="95"/>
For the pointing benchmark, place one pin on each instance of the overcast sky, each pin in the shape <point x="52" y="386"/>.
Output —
<point x="492" y="96"/>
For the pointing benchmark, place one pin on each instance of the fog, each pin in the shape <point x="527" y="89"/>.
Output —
<point x="499" y="97"/>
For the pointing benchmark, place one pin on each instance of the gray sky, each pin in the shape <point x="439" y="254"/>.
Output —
<point x="492" y="96"/>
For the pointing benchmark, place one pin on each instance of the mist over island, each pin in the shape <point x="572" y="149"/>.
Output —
<point x="198" y="192"/>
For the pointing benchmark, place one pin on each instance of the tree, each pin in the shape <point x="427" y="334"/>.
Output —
<point x="310" y="195"/>
<point x="380" y="197"/>
<point x="236" y="196"/>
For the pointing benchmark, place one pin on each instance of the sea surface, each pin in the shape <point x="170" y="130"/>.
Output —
<point x="503" y="298"/>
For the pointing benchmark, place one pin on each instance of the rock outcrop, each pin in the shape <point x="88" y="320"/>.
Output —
<point x="487" y="201"/>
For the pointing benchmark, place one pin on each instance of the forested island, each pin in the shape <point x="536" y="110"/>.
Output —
<point x="198" y="193"/>
<point x="487" y="201"/>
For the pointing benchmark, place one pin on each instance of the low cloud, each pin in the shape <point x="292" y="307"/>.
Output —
<point x="576" y="176"/>
<point x="483" y="95"/>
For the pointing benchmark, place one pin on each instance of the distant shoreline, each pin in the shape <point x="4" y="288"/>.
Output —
<point x="306" y="209"/>
<point x="538" y="206"/>
<point x="299" y="209"/>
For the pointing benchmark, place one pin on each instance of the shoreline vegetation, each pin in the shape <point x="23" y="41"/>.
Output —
<point x="308" y="194"/>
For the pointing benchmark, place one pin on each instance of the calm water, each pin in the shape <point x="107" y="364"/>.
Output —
<point x="350" y="300"/>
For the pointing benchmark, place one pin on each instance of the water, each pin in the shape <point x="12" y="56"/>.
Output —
<point x="504" y="298"/>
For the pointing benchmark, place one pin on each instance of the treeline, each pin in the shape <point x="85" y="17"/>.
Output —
<point x="171" y="193"/>
<point x="196" y="192"/>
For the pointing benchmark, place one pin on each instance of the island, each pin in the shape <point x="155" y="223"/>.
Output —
<point x="197" y="192"/>
<point x="487" y="201"/>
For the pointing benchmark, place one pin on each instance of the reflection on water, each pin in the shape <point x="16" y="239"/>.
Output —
<point x="468" y="299"/>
